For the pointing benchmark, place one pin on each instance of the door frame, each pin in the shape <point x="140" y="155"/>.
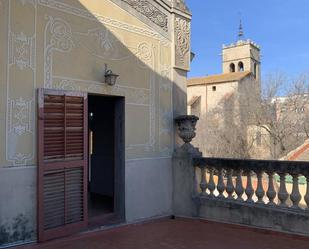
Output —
<point x="119" y="158"/>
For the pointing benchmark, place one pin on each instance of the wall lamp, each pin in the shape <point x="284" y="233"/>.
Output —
<point x="110" y="77"/>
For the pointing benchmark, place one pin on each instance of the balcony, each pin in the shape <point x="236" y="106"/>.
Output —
<point x="270" y="195"/>
<point x="217" y="203"/>
<point x="260" y="193"/>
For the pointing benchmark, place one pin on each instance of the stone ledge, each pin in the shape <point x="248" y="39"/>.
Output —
<point x="255" y="215"/>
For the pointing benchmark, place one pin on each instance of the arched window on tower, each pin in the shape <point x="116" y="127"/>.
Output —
<point x="255" y="70"/>
<point x="240" y="66"/>
<point x="232" y="67"/>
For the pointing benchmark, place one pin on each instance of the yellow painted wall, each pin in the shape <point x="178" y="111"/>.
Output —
<point x="64" y="45"/>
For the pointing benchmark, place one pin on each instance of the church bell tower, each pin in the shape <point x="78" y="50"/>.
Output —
<point x="244" y="55"/>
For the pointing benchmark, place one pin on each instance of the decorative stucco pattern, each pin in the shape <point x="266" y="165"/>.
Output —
<point x="65" y="45"/>
<point x="150" y="11"/>
<point x="21" y="50"/>
<point x="182" y="39"/>
<point x="147" y="85"/>
<point x="20" y="85"/>
<point x="97" y="17"/>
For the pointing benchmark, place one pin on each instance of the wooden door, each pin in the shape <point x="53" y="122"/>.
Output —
<point x="62" y="162"/>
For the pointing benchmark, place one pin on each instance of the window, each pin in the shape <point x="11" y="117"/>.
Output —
<point x="214" y="88"/>
<point x="255" y="70"/>
<point x="232" y="67"/>
<point x="240" y="66"/>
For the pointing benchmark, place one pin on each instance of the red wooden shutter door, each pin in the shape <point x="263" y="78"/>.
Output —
<point x="62" y="159"/>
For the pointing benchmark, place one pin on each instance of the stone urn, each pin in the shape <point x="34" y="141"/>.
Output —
<point x="186" y="131"/>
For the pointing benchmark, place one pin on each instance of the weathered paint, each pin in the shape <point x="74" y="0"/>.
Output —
<point x="65" y="45"/>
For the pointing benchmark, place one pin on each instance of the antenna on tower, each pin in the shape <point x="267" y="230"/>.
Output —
<point x="240" y="29"/>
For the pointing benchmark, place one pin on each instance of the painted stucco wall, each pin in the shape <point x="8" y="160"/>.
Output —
<point x="64" y="45"/>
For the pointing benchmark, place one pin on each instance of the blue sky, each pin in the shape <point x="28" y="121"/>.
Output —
<point x="280" y="27"/>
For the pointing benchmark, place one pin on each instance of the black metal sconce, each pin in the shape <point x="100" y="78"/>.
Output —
<point x="110" y="77"/>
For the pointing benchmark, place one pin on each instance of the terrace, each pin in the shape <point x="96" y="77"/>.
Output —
<point x="218" y="203"/>
<point x="181" y="234"/>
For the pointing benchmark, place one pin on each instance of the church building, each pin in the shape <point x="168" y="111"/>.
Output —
<point x="240" y="61"/>
<point x="240" y="80"/>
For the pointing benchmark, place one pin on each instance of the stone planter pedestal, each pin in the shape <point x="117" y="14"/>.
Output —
<point x="184" y="179"/>
<point x="186" y="131"/>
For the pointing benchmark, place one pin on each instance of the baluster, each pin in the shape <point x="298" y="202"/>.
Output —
<point x="203" y="183"/>
<point x="295" y="195"/>
<point x="211" y="182"/>
<point x="239" y="187"/>
<point x="271" y="193"/>
<point x="259" y="190"/>
<point x="283" y="193"/>
<point x="307" y="193"/>
<point x="249" y="189"/>
<point x="229" y="184"/>
<point x="220" y="186"/>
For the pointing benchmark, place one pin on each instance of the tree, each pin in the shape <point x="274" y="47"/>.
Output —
<point x="222" y="131"/>
<point x="285" y="118"/>
<point x="249" y="124"/>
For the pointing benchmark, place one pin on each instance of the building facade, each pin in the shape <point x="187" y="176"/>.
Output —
<point x="242" y="56"/>
<point x="67" y="136"/>
<point x="225" y="102"/>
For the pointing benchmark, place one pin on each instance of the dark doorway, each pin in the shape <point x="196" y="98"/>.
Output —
<point x="106" y="160"/>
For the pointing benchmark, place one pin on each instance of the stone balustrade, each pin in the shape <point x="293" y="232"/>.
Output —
<point x="253" y="181"/>
<point x="266" y="194"/>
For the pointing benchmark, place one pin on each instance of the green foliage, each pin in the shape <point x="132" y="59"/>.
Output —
<point x="289" y="179"/>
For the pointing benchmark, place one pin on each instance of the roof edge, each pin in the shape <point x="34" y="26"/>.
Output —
<point x="208" y="79"/>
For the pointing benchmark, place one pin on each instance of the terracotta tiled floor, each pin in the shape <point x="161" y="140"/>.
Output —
<point x="181" y="234"/>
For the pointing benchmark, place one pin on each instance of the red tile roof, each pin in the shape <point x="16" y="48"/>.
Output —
<point x="299" y="154"/>
<point x="218" y="78"/>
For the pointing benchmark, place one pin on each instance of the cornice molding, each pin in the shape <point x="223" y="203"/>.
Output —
<point x="179" y="5"/>
<point x="156" y="13"/>
<point x="150" y="11"/>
